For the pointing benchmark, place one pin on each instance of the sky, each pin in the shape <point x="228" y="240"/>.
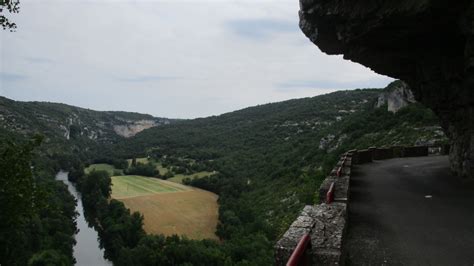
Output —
<point x="176" y="59"/>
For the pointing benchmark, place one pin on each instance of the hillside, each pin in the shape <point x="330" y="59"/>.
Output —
<point x="57" y="120"/>
<point x="266" y="162"/>
<point x="271" y="158"/>
<point x="70" y="131"/>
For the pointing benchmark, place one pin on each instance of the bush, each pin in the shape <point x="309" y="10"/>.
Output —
<point x="143" y="170"/>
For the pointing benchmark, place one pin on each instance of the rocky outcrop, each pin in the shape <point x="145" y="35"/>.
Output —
<point x="397" y="96"/>
<point x="427" y="43"/>
<point x="134" y="127"/>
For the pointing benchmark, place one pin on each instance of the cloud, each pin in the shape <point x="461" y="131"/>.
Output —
<point x="332" y="84"/>
<point x="11" y="77"/>
<point x="39" y="60"/>
<point x="189" y="60"/>
<point x="258" y="29"/>
<point x="148" y="78"/>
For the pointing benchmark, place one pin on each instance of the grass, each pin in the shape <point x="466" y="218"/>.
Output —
<point x="169" y="208"/>
<point x="179" y="178"/>
<point x="102" y="167"/>
<point x="145" y="160"/>
<point x="139" y="160"/>
<point x="163" y="170"/>
<point x="132" y="186"/>
<point x="192" y="213"/>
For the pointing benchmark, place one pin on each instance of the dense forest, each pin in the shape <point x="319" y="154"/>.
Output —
<point x="268" y="162"/>
<point x="37" y="214"/>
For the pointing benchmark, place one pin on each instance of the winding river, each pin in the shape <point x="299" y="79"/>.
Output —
<point x="86" y="251"/>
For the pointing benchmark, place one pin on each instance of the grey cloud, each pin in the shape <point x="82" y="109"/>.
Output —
<point x="329" y="84"/>
<point x="139" y="79"/>
<point x="11" y="77"/>
<point x="39" y="60"/>
<point x="258" y="29"/>
<point x="203" y="62"/>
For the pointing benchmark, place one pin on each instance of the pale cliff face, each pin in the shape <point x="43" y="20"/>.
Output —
<point x="135" y="127"/>
<point x="396" y="98"/>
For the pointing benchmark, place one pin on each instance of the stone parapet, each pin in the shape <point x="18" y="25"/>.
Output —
<point x="326" y="225"/>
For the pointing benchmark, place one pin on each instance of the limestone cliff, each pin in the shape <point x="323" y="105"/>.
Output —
<point x="427" y="43"/>
<point x="134" y="127"/>
<point x="397" y="96"/>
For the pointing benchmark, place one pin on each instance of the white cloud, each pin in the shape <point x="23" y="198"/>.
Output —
<point x="168" y="58"/>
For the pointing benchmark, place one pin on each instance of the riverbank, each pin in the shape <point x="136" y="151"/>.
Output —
<point x="86" y="251"/>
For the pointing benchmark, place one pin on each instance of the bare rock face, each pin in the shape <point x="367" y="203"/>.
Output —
<point x="427" y="43"/>
<point x="396" y="97"/>
<point x="133" y="127"/>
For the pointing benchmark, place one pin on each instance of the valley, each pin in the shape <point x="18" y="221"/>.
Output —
<point x="213" y="133"/>
<point x="168" y="207"/>
<point x="227" y="185"/>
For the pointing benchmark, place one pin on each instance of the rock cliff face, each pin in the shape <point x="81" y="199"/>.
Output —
<point x="427" y="43"/>
<point x="134" y="127"/>
<point x="396" y="97"/>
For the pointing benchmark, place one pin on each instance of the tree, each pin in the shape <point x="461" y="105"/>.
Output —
<point x="18" y="196"/>
<point x="11" y="6"/>
<point x="48" y="257"/>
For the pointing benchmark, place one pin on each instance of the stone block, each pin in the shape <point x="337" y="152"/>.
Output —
<point x="415" y="151"/>
<point x="302" y="225"/>
<point x="382" y="153"/>
<point x="363" y="156"/>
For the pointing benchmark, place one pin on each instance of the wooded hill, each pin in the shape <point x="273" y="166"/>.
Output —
<point x="269" y="159"/>
<point x="272" y="158"/>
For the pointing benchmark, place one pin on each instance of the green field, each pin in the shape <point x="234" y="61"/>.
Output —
<point x="102" y="167"/>
<point x="159" y="167"/>
<point x="179" y="178"/>
<point x="143" y="160"/>
<point x="133" y="186"/>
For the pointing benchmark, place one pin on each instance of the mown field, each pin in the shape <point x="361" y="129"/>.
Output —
<point x="168" y="207"/>
<point x="133" y="186"/>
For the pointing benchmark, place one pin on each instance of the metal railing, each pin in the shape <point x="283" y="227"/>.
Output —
<point x="301" y="256"/>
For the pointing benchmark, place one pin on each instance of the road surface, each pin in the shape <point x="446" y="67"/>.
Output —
<point x="410" y="211"/>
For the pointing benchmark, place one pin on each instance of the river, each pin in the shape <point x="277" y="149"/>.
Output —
<point x="86" y="251"/>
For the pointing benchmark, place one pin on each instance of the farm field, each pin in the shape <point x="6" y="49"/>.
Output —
<point x="169" y="208"/>
<point x="132" y="186"/>
<point x="102" y="167"/>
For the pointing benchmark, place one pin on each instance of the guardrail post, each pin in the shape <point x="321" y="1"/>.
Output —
<point x="330" y="194"/>
<point x="301" y="256"/>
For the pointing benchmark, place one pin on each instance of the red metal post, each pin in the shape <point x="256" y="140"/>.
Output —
<point x="299" y="255"/>
<point x="330" y="194"/>
<point x="339" y="172"/>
